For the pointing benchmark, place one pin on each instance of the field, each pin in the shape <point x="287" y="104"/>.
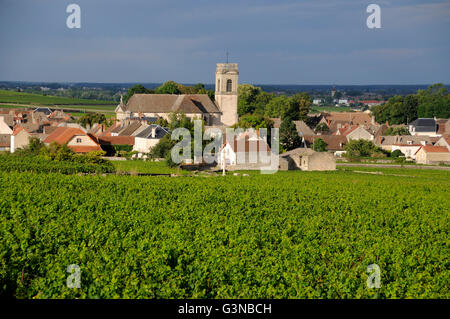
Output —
<point x="9" y="98"/>
<point x="288" y="235"/>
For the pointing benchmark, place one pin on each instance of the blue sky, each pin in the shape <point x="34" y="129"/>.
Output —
<point x="274" y="42"/>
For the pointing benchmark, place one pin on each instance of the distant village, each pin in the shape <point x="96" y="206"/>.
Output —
<point x="135" y="128"/>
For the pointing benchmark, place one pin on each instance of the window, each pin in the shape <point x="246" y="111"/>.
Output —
<point x="229" y="85"/>
<point x="78" y="140"/>
<point x="218" y="86"/>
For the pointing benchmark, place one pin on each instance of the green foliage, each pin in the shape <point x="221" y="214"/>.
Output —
<point x="397" y="153"/>
<point x="322" y="128"/>
<point x="92" y="118"/>
<point x="162" y="122"/>
<point x="136" y="89"/>
<point x="61" y="163"/>
<point x="362" y="148"/>
<point x="320" y="145"/>
<point x="169" y="87"/>
<point x="289" y="138"/>
<point x="252" y="99"/>
<point x="288" y="235"/>
<point x="433" y="102"/>
<point x="396" y="131"/>
<point x="303" y="100"/>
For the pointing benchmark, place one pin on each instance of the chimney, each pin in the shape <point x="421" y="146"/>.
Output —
<point x="153" y="131"/>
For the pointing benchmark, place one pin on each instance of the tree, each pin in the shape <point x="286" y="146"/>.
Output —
<point x="304" y="102"/>
<point x="162" y="122"/>
<point x="289" y="138"/>
<point x="322" y="128"/>
<point x="247" y="94"/>
<point x="362" y="148"/>
<point x="92" y="118"/>
<point x="320" y="145"/>
<point x="278" y="106"/>
<point x="136" y="89"/>
<point x="392" y="131"/>
<point x="169" y="87"/>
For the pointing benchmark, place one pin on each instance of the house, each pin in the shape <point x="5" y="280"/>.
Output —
<point x="371" y="102"/>
<point x="244" y="150"/>
<point x="148" y="138"/>
<point x="359" y="133"/>
<point x="306" y="159"/>
<point x="76" y="139"/>
<point x="60" y="116"/>
<point x="423" y="127"/>
<point x="5" y="142"/>
<point x="19" y="138"/>
<point x="335" y="143"/>
<point x="432" y="155"/>
<point x="112" y="144"/>
<point x="337" y="120"/>
<point x="44" y="110"/>
<point x="317" y="101"/>
<point x="389" y="142"/>
<point x="444" y="141"/>
<point x="4" y="127"/>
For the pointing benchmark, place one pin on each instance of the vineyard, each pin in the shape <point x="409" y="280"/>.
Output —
<point x="38" y="164"/>
<point x="288" y="235"/>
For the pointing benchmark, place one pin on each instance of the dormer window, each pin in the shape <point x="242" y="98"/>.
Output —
<point x="409" y="142"/>
<point x="78" y="140"/>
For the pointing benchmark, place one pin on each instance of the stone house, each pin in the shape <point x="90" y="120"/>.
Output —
<point x="423" y="127"/>
<point x="433" y="155"/>
<point x="306" y="159"/>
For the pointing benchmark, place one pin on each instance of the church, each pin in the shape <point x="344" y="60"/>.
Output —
<point x="221" y="112"/>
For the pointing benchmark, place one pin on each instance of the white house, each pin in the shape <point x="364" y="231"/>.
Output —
<point x="148" y="138"/>
<point x="4" y="128"/>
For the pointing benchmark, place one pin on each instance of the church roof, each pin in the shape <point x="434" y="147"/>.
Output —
<point x="167" y="103"/>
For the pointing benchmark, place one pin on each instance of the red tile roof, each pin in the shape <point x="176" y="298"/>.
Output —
<point x="433" y="149"/>
<point x="116" y="140"/>
<point x="63" y="135"/>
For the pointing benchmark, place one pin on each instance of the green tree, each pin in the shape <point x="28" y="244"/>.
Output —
<point x="362" y="148"/>
<point x="320" y="145"/>
<point x="169" y="87"/>
<point x="304" y="102"/>
<point x="322" y="128"/>
<point x="138" y="89"/>
<point x="289" y="138"/>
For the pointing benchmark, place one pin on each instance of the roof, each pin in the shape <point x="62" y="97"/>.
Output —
<point x="334" y="142"/>
<point x="424" y="125"/>
<point x="167" y="103"/>
<point x="433" y="149"/>
<point x="159" y="133"/>
<point x="116" y="140"/>
<point x="5" y="140"/>
<point x="301" y="126"/>
<point x="128" y="130"/>
<point x="44" y="110"/>
<point x="63" y="135"/>
<point x="404" y="139"/>
<point x="18" y="129"/>
<point x="249" y="144"/>
<point x="298" y="151"/>
<point x="358" y="118"/>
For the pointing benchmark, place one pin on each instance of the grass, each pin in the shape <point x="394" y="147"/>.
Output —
<point x="11" y="97"/>
<point x="145" y="167"/>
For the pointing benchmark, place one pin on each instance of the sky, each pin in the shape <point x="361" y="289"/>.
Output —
<point x="274" y="42"/>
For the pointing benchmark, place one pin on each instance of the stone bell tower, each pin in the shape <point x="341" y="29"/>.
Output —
<point x="227" y="75"/>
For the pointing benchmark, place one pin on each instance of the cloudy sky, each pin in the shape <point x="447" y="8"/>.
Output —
<point x="274" y="42"/>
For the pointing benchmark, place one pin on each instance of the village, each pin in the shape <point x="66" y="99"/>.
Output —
<point x="138" y="127"/>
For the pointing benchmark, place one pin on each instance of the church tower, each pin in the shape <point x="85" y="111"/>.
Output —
<point x="227" y="75"/>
